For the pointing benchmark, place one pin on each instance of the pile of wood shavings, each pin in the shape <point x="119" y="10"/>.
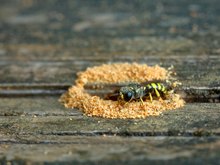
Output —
<point x="121" y="72"/>
<point x="76" y="97"/>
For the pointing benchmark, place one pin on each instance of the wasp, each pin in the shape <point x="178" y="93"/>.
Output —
<point x="138" y="92"/>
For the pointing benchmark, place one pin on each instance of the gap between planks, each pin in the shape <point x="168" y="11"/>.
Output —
<point x="189" y="94"/>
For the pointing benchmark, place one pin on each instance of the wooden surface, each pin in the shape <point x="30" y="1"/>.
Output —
<point x="43" y="44"/>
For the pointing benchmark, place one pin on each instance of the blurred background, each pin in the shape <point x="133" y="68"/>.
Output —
<point x="48" y="40"/>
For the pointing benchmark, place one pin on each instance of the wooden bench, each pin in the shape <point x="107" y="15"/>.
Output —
<point x="43" y="44"/>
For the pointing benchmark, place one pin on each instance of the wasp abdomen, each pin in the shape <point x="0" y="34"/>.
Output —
<point x="157" y="88"/>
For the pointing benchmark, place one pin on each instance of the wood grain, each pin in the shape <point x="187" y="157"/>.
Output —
<point x="45" y="115"/>
<point x="191" y="71"/>
<point x="43" y="44"/>
<point x="108" y="149"/>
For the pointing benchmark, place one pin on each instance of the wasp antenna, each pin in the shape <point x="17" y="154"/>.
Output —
<point x="171" y="67"/>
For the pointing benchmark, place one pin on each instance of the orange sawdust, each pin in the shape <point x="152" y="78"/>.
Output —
<point x="77" y="97"/>
<point x="121" y="72"/>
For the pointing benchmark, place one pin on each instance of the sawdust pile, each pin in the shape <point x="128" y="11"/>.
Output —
<point x="77" y="97"/>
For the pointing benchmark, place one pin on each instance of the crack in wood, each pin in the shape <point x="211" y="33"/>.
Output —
<point x="168" y="133"/>
<point x="197" y="133"/>
<point x="189" y="94"/>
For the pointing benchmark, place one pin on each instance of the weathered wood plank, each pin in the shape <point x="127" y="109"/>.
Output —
<point x="46" y="115"/>
<point x="30" y="106"/>
<point x="162" y="34"/>
<point x="111" y="149"/>
<point x="99" y="48"/>
<point x="200" y="81"/>
<point x="192" y="71"/>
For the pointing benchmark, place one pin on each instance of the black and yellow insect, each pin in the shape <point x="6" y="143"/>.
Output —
<point x="138" y="92"/>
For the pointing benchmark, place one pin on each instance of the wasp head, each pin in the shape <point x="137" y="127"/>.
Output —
<point x="126" y="93"/>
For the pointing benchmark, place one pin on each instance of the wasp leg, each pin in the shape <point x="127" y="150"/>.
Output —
<point x="123" y="101"/>
<point x="157" y="93"/>
<point x="126" y="102"/>
<point x="142" y="101"/>
<point x="120" y="100"/>
<point x="151" y="99"/>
